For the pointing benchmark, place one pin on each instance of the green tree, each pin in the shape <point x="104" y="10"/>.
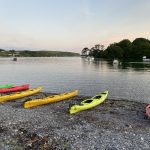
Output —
<point x="126" y="45"/>
<point x="85" y="51"/>
<point x="96" y="53"/>
<point x="124" y="49"/>
<point x="12" y="52"/>
<point x="140" y="48"/>
<point x="114" y="51"/>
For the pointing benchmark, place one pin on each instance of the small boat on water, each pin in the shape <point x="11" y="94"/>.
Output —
<point x="18" y="95"/>
<point x="6" y="86"/>
<point x="50" y="99"/>
<point x="89" y="103"/>
<point x="146" y="59"/>
<point x="15" y="59"/>
<point x="14" y="89"/>
<point x="115" y="61"/>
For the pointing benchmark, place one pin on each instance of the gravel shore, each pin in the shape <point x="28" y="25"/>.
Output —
<point x="113" y="125"/>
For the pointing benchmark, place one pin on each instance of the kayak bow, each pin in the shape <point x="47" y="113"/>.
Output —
<point x="6" y="86"/>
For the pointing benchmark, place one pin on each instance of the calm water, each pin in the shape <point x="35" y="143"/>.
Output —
<point x="126" y="81"/>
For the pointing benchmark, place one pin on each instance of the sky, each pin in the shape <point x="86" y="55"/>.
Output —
<point x="71" y="25"/>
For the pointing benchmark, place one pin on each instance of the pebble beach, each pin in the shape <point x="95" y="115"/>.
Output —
<point x="113" y="125"/>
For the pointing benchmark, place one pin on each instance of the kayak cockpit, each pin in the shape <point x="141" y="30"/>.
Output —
<point x="88" y="101"/>
<point x="97" y="97"/>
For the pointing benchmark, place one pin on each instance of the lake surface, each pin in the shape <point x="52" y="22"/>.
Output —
<point x="129" y="81"/>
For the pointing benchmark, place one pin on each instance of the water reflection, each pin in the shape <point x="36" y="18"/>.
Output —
<point x="107" y="64"/>
<point x="96" y="64"/>
<point x="137" y="66"/>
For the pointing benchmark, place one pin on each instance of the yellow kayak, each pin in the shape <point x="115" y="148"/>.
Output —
<point x="18" y="95"/>
<point x="89" y="103"/>
<point x="50" y="99"/>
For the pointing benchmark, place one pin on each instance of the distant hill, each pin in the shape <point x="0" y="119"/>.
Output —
<point x="28" y="53"/>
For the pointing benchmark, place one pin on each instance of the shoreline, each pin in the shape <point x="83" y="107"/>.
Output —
<point x="114" y="124"/>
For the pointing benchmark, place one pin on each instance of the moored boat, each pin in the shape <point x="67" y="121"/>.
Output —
<point x="50" y="99"/>
<point x="115" y="61"/>
<point x="15" y="88"/>
<point x="18" y="95"/>
<point x="15" y="59"/>
<point x="89" y="103"/>
<point x="6" y="86"/>
<point x="145" y="59"/>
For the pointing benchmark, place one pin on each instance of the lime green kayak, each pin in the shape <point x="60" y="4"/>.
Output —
<point x="6" y="86"/>
<point x="89" y="103"/>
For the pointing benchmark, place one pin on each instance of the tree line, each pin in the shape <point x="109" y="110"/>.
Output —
<point x="125" y="49"/>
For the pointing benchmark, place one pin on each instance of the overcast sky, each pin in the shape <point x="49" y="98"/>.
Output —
<point x="71" y="25"/>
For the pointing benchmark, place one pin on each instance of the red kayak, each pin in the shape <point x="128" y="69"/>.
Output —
<point x="15" y="88"/>
<point x="148" y="110"/>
